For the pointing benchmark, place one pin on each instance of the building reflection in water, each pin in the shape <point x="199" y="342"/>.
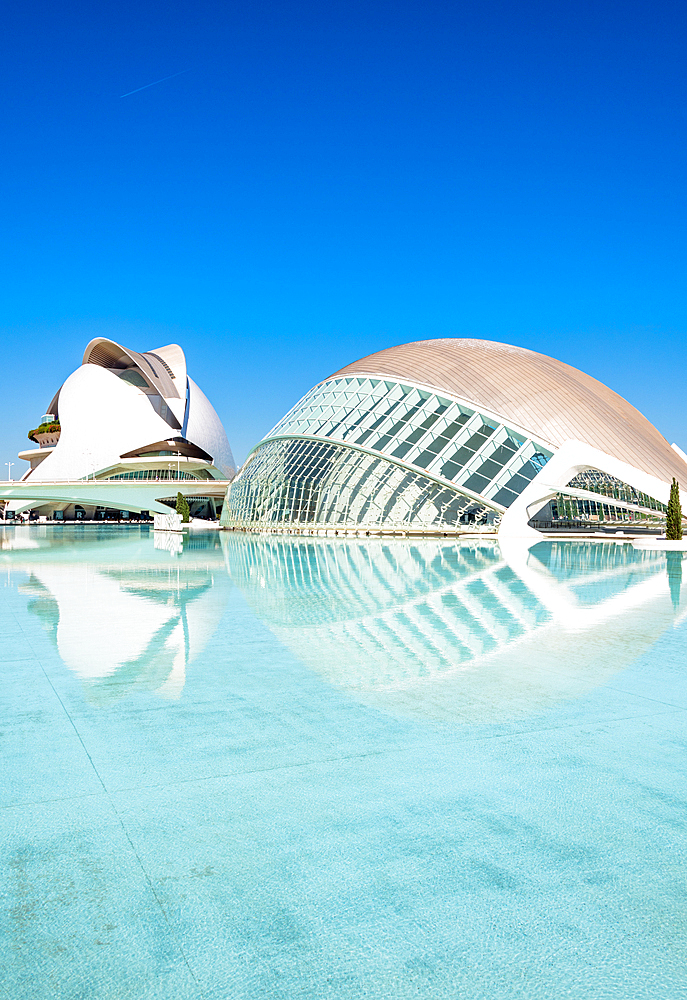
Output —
<point x="470" y="631"/>
<point x="126" y="615"/>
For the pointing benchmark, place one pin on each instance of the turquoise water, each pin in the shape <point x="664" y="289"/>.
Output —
<point x="236" y="767"/>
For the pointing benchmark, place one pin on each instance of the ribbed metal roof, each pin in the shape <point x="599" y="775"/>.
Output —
<point x="552" y="400"/>
<point x="109" y="354"/>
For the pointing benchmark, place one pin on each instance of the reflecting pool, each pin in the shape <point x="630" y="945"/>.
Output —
<point x="240" y="767"/>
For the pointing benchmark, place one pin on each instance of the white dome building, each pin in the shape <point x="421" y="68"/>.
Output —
<point x="438" y="433"/>
<point x="134" y="419"/>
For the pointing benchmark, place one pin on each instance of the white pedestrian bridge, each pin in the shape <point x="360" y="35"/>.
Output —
<point x="135" y="495"/>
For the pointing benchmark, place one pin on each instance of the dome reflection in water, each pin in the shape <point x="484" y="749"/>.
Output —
<point x="129" y="614"/>
<point x="469" y="631"/>
<point x="458" y="631"/>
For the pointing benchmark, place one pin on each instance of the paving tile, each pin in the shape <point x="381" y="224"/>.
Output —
<point x="79" y="917"/>
<point x="275" y="828"/>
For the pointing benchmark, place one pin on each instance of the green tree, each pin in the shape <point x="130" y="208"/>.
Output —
<point x="674" y="514"/>
<point x="183" y="508"/>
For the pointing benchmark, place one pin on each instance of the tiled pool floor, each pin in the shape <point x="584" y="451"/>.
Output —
<point x="308" y="811"/>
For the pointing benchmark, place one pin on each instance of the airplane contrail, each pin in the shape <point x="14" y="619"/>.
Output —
<point x="153" y="84"/>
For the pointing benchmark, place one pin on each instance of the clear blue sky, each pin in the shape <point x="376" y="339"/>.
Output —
<point x="323" y="180"/>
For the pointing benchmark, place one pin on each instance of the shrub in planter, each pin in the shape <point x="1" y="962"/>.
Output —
<point x="183" y="508"/>
<point x="51" y="428"/>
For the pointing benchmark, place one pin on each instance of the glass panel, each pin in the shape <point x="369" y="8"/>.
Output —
<point x="378" y="422"/>
<point x="440" y="442"/>
<point x="492" y="465"/>
<point x="421" y="430"/>
<point x="462" y="456"/>
<point x="133" y="377"/>
<point x="520" y="479"/>
<point x="398" y="426"/>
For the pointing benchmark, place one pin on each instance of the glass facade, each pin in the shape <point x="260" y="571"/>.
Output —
<point x="615" y="489"/>
<point x="319" y="483"/>
<point x="365" y="452"/>
<point x="156" y="474"/>
<point x="567" y="507"/>
<point x="420" y="428"/>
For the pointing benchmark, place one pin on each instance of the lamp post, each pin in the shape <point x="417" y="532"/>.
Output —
<point x="9" y="474"/>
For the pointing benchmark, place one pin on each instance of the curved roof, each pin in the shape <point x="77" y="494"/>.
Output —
<point x="552" y="400"/>
<point x="154" y="368"/>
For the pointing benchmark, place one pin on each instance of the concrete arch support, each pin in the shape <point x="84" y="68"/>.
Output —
<point x="572" y="458"/>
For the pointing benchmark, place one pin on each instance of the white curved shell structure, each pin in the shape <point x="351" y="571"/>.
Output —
<point x="126" y="432"/>
<point x="203" y="426"/>
<point x="123" y="413"/>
